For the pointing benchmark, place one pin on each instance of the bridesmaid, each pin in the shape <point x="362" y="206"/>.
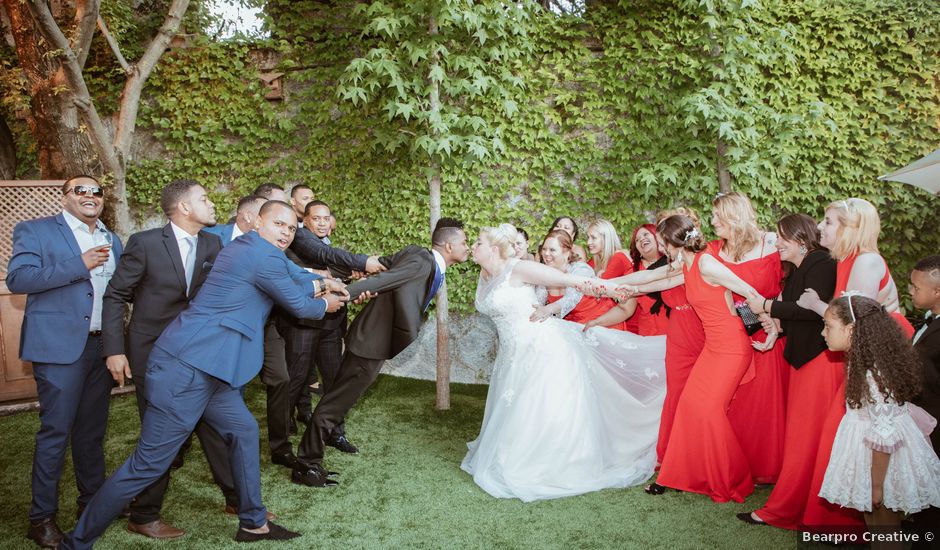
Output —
<point x="850" y="230"/>
<point x="704" y="455"/>
<point x="568" y="303"/>
<point x="646" y="253"/>
<point x="567" y="224"/>
<point x="758" y="412"/>
<point x="816" y="374"/>
<point x="521" y="246"/>
<point x="609" y="262"/>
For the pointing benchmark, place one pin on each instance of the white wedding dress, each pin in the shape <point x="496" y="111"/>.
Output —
<point x="568" y="412"/>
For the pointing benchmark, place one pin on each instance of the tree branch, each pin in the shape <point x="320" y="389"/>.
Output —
<point x="86" y="13"/>
<point x="99" y="135"/>
<point x="130" y="97"/>
<point x="115" y="49"/>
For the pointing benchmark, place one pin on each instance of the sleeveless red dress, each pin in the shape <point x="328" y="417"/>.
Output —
<point x="759" y="410"/>
<point x="618" y="266"/>
<point x="704" y="455"/>
<point x="649" y="324"/>
<point x="685" y="339"/>
<point x="821" y="515"/>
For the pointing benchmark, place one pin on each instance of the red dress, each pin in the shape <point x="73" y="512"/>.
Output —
<point x="704" y="455"/>
<point x="618" y="266"/>
<point x="820" y="514"/>
<point x="588" y="309"/>
<point x="649" y="324"/>
<point x="685" y="339"/>
<point x="759" y="410"/>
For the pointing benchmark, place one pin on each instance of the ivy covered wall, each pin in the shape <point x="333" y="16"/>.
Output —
<point x="619" y="114"/>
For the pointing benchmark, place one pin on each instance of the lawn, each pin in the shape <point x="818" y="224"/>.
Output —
<point x="404" y="490"/>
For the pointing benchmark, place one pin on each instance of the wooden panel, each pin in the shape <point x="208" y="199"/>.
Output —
<point x="16" y="377"/>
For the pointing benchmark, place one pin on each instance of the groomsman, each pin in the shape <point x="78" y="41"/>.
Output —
<point x="160" y="271"/>
<point x="386" y="326"/>
<point x="925" y="294"/>
<point x="63" y="263"/>
<point x="200" y="362"/>
<point x="300" y="195"/>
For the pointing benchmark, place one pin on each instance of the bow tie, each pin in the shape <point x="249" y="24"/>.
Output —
<point x="929" y="319"/>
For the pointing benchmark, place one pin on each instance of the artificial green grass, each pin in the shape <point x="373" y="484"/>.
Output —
<point x="404" y="489"/>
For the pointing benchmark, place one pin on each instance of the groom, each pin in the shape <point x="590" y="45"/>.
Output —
<point x="385" y="327"/>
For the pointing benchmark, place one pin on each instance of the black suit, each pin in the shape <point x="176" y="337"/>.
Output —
<point x="151" y="276"/>
<point x="386" y="326"/>
<point x="928" y="346"/>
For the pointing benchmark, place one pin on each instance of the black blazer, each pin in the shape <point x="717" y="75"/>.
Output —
<point x="390" y="322"/>
<point x="343" y="271"/>
<point x="803" y="326"/>
<point x="151" y="276"/>
<point x="313" y="252"/>
<point x="928" y="346"/>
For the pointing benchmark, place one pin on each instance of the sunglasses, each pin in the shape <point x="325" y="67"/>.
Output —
<point x="85" y="189"/>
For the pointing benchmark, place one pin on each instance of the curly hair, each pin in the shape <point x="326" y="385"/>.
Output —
<point x="877" y="345"/>
<point x="736" y="212"/>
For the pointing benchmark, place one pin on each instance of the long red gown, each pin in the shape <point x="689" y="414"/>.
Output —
<point x="618" y="266"/>
<point x="819" y="514"/>
<point x="758" y="412"/>
<point x="648" y="323"/>
<point x="685" y="339"/>
<point x="704" y="455"/>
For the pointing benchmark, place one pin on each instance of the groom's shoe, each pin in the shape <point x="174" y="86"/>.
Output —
<point x="340" y="442"/>
<point x="314" y="476"/>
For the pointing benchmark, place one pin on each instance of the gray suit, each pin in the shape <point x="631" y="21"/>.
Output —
<point x="386" y="326"/>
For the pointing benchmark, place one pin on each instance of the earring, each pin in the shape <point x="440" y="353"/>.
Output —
<point x="802" y="250"/>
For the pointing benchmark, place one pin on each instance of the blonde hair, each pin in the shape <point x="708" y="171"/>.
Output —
<point x="503" y="238"/>
<point x="859" y="227"/>
<point x="611" y="243"/>
<point x="679" y="211"/>
<point x="735" y="211"/>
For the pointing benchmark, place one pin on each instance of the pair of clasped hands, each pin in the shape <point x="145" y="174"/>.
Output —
<point x="336" y="295"/>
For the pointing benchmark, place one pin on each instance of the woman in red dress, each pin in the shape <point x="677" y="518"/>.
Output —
<point x="703" y="455"/>
<point x="645" y="253"/>
<point x="567" y="303"/>
<point x="850" y="230"/>
<point x="609" y="262"/>
<point x="758" y="411"/>
<point x="816" y="375"/>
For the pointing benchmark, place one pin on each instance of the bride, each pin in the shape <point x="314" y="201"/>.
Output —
<point x="568" y="411"/>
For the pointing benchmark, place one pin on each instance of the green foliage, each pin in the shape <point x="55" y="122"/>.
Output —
<point x="614" y="114"/>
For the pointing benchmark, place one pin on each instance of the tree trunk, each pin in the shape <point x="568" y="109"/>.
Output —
<point x="440" y="302"/>
<point x="7" y="152"/>
<point x="64" y="148"/>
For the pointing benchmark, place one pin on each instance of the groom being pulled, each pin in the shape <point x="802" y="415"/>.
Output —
<point x="385" y="327"/>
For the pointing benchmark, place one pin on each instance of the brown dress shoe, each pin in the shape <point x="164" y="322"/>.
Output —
<point x="45" y="533"/>
<point x="156" y="529"/>
<point x="230" y="510"/>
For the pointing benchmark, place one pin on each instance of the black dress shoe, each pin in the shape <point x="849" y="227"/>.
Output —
<point x="275" y="532"/>
<point x="45" y="533"/>
<point x="340" y="442"/>
<point x="315" y="476"/>
<point x="288" y="460"/>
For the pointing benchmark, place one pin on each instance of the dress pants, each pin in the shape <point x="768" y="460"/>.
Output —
<point x="146" y="507"/>
<point x="178" y="396"/>
<point x="277" y="384"/>
<point x="309" y="349"/>
<point x="73" y="408"/>
<point x="355" y="376"/>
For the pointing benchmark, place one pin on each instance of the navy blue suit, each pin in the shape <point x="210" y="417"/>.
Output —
<point x="224" y="231"/>
<point x="195" y="369"/>
<point x="73" y="383"/>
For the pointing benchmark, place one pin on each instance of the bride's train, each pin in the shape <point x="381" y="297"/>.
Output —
<point x="568" y="412"/>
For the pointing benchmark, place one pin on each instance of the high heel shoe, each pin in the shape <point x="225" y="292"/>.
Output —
<point x="655" y="489"/>
<point x="748" y="517"/>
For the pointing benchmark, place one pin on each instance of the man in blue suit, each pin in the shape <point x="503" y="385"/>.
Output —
<point x="63" y="264"/>
<point x="198" y="364"/>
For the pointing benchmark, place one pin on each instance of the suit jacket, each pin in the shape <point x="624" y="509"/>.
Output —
<point x="329" y="321"/>
<point x="929" y="349"/>
<point x="222" y="331"/>
<point x="313" y="252"/>
<point x="152" y="277"/>
<point x="803" y="326"/>
<point x="47" y="265"/>
<point x="390" y="323"/>
<point x="223" y="231"/>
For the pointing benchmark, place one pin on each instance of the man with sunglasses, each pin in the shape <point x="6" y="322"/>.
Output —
<point x="63" y="264"/>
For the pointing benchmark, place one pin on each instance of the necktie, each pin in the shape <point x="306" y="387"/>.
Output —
<point x="190" y="262"/>
<point x="435" y="286"/>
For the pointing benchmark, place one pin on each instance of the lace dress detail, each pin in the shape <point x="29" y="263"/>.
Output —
<point x="912" y="482"/>
<point x="568" y="412"/>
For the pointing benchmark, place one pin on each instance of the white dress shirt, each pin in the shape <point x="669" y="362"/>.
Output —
<point x="86" y="241"/>
<point x="441" y="264"/>
<point x="236" y="231"/>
